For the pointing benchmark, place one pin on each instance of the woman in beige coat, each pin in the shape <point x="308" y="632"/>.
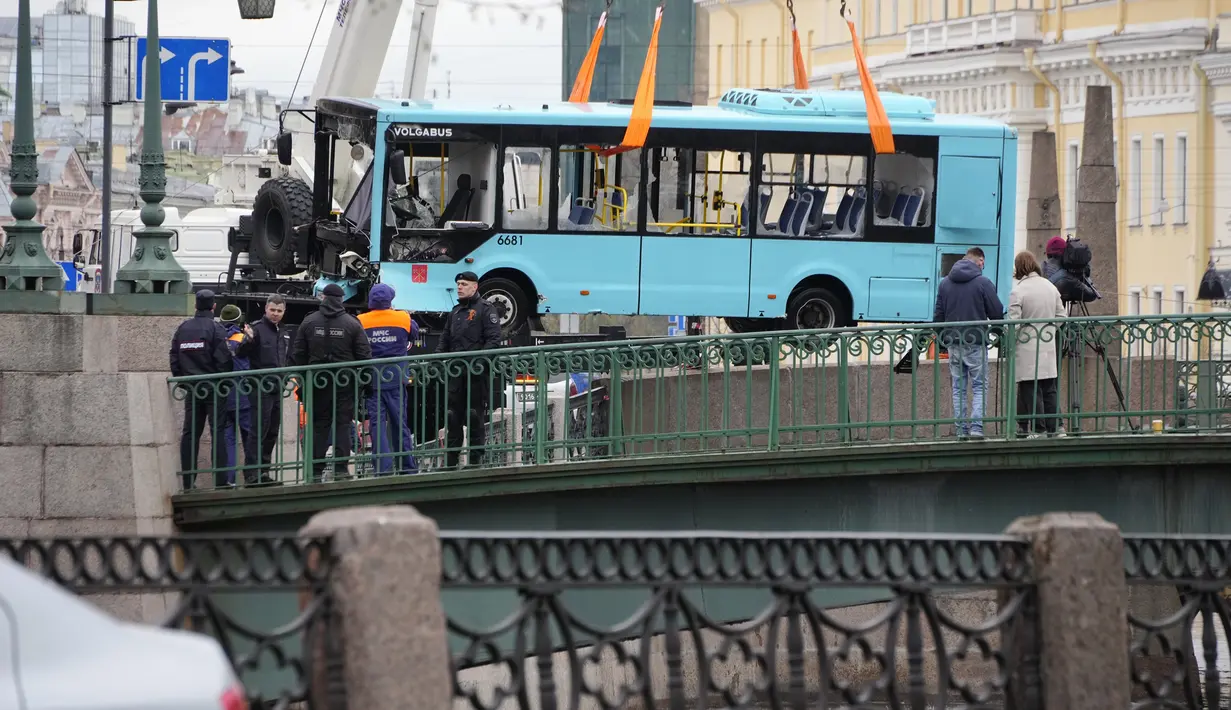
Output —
<point x="1035" y="298"/>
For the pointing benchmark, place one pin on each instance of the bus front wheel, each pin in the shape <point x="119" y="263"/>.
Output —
<point x="816" y="308"/>
<point x="510" y="300"/>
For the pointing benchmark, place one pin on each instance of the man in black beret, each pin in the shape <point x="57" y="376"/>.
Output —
<point x="473" y="324"/>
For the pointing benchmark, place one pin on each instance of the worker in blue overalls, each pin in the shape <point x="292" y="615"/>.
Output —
<point x="390" y="332"/>
<point x="238" y="412"/>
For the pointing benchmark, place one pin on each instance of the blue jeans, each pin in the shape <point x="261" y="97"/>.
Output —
<point x="968" y="362"/>
<point x="241" y="420"/>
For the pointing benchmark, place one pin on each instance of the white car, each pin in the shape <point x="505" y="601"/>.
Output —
<point x="58" y="652"/>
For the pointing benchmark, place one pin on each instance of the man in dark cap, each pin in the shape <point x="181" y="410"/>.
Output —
<point x="331" y="335"/>
<point x="199" y="347"/>
<point x="473" y="324"/>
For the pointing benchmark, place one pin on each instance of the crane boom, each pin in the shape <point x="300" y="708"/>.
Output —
<point x="354" y="56"/>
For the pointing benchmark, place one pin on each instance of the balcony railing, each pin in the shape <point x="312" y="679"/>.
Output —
<point x="1002" y="28"/>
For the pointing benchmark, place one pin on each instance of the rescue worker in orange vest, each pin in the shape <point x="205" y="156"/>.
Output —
<point x="390" y="332"/>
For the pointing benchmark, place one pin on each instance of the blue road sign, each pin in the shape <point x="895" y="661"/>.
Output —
<point x="193" y="68"/>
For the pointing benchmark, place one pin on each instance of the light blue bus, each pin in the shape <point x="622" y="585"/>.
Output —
<point x="757" y="210"/>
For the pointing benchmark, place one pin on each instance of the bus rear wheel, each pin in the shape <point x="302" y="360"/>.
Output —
<point x="816" y="309"/>
<point x="511" y="303"/>
<point x="281" y="205"/>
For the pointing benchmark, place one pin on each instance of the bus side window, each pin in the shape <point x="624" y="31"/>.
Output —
<point x="905" y="187"/>
<point x="525" y="188"/>
<point x="693" y="191"/>
<point x="818" y="196"/>
<point x="598" y="194"/>
<point x="456" y="182"/>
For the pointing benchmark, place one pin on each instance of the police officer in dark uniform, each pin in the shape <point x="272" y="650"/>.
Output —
<point x="473" y="324"/>
<point x="327" y="336"/>
<point x="266" y="347"/>
<point x="199" y="347"/>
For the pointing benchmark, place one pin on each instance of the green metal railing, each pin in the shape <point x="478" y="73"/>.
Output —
<point x="752" y="392"/>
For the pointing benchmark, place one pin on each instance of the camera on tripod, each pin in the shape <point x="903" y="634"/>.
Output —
<point x="1074" y="282"/>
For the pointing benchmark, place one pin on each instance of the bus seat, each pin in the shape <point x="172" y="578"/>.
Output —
<point x="843" y="213"/>
<point x="458" y="207"/>
<point x="784" y="217"/>
<point x="855" y="217"/>
<point x="914" y="201"/>
<point x="799" y="219"/>
<point x="899" y="205"/>
<point x="617" y="199"/>
<point x="763" y="204"/>
<point x="816" y="215"/>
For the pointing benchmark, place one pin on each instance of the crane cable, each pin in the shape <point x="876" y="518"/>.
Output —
<point x="797" y="55"/>
<point x="878" y="120"/>
<point x="585" y="75"/>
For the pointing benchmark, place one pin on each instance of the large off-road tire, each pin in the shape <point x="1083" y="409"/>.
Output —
<point x="281" y="205"/>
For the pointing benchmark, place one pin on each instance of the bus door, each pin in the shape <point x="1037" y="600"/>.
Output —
<point x="696" y="250"/>
<point x="968" y="206"/>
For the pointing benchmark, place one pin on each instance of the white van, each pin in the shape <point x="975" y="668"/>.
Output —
<point x="199" y="244"/>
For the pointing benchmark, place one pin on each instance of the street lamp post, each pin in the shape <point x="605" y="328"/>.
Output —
<point x="152" y="268"/>
<point x="24" y="264"/>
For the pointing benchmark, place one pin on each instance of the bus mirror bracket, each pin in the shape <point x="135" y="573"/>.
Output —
<point x="397" y="167"/>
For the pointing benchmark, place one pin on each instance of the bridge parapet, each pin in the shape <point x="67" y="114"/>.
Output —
<point x="1042" y="616"/>
<point x="759" y="392"/>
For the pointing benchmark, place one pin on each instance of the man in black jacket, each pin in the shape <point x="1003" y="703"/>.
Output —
<point x="265" y="347"/>
<point x="199" y="347"/>
<point x="331" y="335"/>
<point x="473" y="324"/>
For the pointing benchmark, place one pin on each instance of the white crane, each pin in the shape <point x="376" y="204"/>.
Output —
<point x="354" y="56"/>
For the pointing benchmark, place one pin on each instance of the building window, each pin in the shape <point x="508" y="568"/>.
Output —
<point x="1181" y="179"/>
<point x="1158" y="300"/>
<point x="876" y="18"/>
<point x="718" y="71"/>
<point x="1134" y="301"/>
<point x="893" y="17"/>
<point x="1134" y="183"/>
<point x="1181" y="299"/>
<point x="1160" y="190"/>
<point x="1070" y="186"/>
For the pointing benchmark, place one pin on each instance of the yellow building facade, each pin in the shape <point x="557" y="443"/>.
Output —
<point x="1028" y="63"/>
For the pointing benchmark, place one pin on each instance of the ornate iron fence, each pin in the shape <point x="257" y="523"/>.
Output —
<point x="753" y="392"/>
<point x="576" y="620"/>
<point x="1167" y="668"/>
<point x="194" y="574"/>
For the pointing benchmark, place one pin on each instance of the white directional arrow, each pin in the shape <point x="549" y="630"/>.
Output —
<point x="209" y="56"/>
<point x="165" y="54"/>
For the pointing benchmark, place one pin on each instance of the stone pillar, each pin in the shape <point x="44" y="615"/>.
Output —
<point x="386" y="586"/>
<point x="1096" y="199"/>
<point x="1043" y="210"/>
<point x="1082" y="607"/>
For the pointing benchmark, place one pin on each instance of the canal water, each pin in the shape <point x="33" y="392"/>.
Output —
<point x="1224" y="653"/>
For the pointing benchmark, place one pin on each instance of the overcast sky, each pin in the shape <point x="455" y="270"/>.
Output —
<point x="490" y="49"/>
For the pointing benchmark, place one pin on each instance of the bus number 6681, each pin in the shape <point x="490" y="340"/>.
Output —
<point x="509" y="240"/>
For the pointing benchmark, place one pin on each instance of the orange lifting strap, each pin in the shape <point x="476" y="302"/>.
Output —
<point x="585" y="75"/>
<point x="797" y="55"/>
<point x="878" y="120"/>
<point x="643" y="103"/>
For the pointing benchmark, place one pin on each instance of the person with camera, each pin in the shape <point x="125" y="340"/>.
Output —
<point x="965" y="296"/>
<point x="1036" y="362"/>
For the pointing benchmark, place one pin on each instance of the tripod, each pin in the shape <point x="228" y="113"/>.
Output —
<point x="1078" y="308"/>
